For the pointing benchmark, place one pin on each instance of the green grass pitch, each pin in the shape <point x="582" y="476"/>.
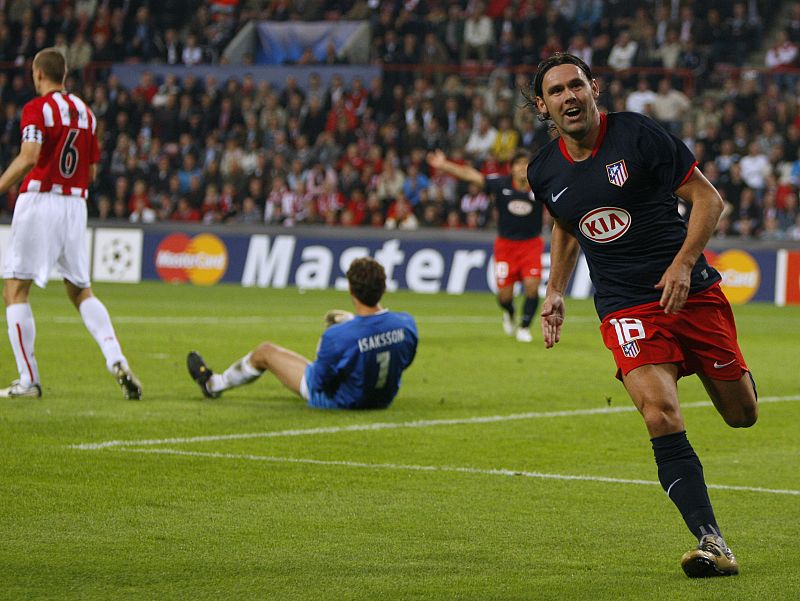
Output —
<point x="461" y="490"/>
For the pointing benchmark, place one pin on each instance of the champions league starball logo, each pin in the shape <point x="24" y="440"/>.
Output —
<point x="117" y="257"/>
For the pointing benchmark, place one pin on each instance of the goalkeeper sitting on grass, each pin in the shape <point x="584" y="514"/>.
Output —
<point x="360" y="359"/>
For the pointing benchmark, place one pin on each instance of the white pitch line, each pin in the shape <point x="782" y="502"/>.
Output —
<point x="267" y="319"/>
<point x="444" y="468"/>
<point x="93" y="446"/>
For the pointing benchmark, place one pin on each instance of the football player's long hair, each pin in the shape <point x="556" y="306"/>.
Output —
<point x="559" y="58"/>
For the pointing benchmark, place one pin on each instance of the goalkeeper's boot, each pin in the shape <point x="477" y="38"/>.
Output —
<point x="508" y="324"/>
<point x="200" y="373"/>
<point x="130" y="384"/>
<point x="712" y="557"/>
<point x="17" y="390"/>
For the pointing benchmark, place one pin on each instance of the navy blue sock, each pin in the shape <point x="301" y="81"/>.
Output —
<point x="507" y="307"/>
<point x="681" y="475"/>
<point x="529" y="310"/>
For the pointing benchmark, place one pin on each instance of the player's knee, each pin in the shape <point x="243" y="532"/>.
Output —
<point x="745" y="416"/>
<point x="260" y="358"/>
<point x="661" y="417"/>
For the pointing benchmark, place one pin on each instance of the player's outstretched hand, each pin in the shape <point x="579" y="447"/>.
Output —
<point x="436" y="159"/>
<point x="674" y="285"/>
<point x="553" y="312"/>
<point x="335" y="316"/>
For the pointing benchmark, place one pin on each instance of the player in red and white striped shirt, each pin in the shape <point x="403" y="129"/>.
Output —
<point x="58" y="160"/>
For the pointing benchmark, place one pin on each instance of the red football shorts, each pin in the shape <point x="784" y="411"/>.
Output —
<point x="700" y="338"/>
<point x="517" y="260"/>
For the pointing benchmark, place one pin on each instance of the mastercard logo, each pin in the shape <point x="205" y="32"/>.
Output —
<point x="741" y="275"/>
<point x="201" y="260"/>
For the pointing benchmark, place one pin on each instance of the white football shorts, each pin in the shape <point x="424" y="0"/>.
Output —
<point x="46" y="230"/>
<point x="304" y="392"/>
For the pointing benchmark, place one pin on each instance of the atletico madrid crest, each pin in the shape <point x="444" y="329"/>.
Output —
<point x="617" y="173"/>
<point x="630" y="349"/>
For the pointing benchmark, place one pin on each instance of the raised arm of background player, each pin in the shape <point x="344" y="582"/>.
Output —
<point x="467" y="173"/>
<point x="564" y="249"/>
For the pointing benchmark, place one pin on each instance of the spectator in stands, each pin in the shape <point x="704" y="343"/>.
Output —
<point x="781" y="59"/>
<point x="551" y="46"/>
<point x="527" y="54"/>
<point x="453" y="220"/>
<point x="390" y="181"/>
<point x="400" y="215"/>
<point x="687" y="25"/>
<point x="755" y="168"/>
<point x="670" y="51"/>
<point x="747" y="215"/>
<point x="481" y="139"/>
<point x="191" y="54"/>
<point x="80" y="53"/>
<point x="642" y="99"/>
<point x="579" y="47"/>
<point x="641" y="25"/>
<point x="414" y="185"/>
<point x="189" y="170"/>
<point x="250" y="214"/>
<point x="142" y="43"/>
<point x="588" y="15"/>
<point x="506" y="141"/>
<point x="506" y="50"/>
<point x="741" y="33"/>
<point x="478" y="35"/>
<point x="142" y="213"/>
<point x="170" y="49"/>
<point x="670" y="106"/>
<point x="793" y="22"/>
<point x="769" y="138"/>
<point x="623" y="52"/>
<point x="184" y="211"/>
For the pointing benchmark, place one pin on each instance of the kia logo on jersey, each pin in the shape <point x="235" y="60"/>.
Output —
<point x="520" y="208"/>
<point x="605" y="224"/>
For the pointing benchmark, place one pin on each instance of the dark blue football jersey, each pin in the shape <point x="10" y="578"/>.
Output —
<point x="519" y="215"/>
<point x="621" y="205"/>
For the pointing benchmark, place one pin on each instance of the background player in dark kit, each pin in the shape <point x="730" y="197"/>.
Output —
<point x="518" y="247"/>
<point x="610" y="182"/>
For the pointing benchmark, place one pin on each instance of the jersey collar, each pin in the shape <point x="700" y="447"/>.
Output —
<point x="600" y="136"/>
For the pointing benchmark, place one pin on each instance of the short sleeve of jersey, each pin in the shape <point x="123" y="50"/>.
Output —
<point x="492" y="184"/>
<point x="533" y="172"/>
<point x="32" y="123"/>
<point x="664" y="155"/>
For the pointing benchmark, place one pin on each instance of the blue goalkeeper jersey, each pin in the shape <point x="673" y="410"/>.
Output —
<point x="360" y="362"/>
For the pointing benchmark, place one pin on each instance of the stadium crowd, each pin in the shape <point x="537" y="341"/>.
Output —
<point x="245" y="151"/>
